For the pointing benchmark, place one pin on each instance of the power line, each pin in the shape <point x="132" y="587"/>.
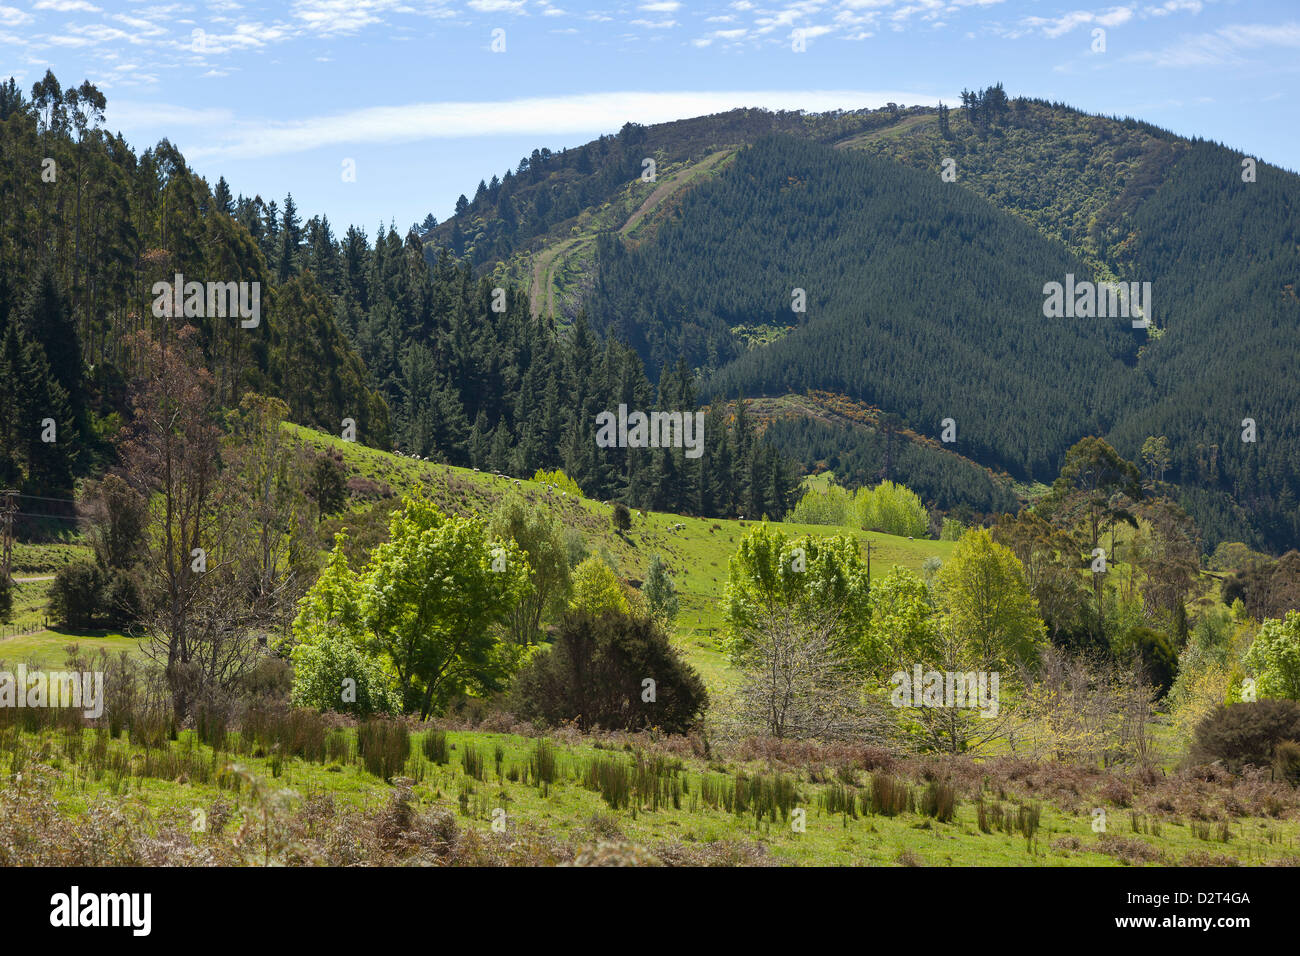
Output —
<point x="41" y="498"/>
<point x="28" y="514"/>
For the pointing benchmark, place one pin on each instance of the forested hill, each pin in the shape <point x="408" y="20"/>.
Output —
<point x="925" y="295"/>
<point x="354" y="335"/>
<point x="87" y="227"/>
<point x="759" y="255"/>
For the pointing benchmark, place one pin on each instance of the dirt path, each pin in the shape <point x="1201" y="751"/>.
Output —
<point x="897" y="129"/>
<point x="670" y="186"/>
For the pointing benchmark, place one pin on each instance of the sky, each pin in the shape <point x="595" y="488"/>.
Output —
<point x="423" y="98"/>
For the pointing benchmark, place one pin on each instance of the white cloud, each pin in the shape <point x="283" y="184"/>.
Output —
<point x="13" y="17"/>
<point x="254" y="137"/>
<point x="66" y="6"/>
<point x="497" y="6"/>
<point x="1224" y="46"/>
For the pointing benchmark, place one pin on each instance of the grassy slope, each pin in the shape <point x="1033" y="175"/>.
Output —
<point x="697" y="554"/>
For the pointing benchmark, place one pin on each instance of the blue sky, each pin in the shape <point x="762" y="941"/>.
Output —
<point x="277" y="96"/>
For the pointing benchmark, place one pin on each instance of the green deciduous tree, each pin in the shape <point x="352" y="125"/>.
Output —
<point x="596" y="589"/>
<point x="1274" y="658"/>
<point x="430" y="598"/>
<point x="822" y="578"/>
<point x="537" y="531"/>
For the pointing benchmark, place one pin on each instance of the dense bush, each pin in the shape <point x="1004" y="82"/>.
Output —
<point x="834" y="506"/>
<point x="384" y="746"/>
<point x="75" y="593"/>
<point x="893" y="509"/>
<point x="85" y="595"/>
<point x="595" y="675"/>
<point x="333" y="673"/>
<point x="622" y="517"/>
<point x="1241" y="734"/>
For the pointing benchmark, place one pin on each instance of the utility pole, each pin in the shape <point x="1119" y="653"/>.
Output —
<point x="7" y="511"/>
<point x="868" y="563"/>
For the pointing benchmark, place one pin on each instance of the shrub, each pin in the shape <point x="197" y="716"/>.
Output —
<point x="85" y="595"/>
<point x="6" y="598"/>
<point x="893" y="509"/>
<point x="594" y="675"/>
<point x="1286" y="762"/>
<point x="596" y="589"/>
<point x="1241" y="734"/>
<point x="331" y="669"/>
<point x="327" y="484"/>
<point x="660" y="592"/>
<point x="559" y="479"/>
<point x="834" y="506"/>
<point x="622" y="518"/>
<point x="75" y="593"/>
<point x="434" y="746"/>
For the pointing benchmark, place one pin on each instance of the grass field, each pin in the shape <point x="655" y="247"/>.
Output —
<point x="686" y="802"/>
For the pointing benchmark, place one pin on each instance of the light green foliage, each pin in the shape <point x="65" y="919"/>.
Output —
<point x="596" y="589"/>
<point x="559" y="479"/>
<point x="430" y="598"/>
<point x="426" y="604"/>
<point x="893" y="509"/>
<point x="819" y="577"/>
<point x="952" y="530"/>
<point x="990" y="617"/>
<point x="334" y="673"/>
<point x="832" y="505"/>
<point x="537" y="531"/>
<point x="660" y="592"/>
<point x="1274" y="658"/>
<point x="330" y="647"/>
<point x="904" y="623"/>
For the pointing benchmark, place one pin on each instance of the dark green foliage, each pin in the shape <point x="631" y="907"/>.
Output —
<point x="327" y="484"/>
<point x="595" y="673"/>
<point x="88" y="246"/>
<point x="622" y="518"/>
<point x="1155" y="654"/>
<point x="1242" y="734"/>
<point x="75" y="594"/>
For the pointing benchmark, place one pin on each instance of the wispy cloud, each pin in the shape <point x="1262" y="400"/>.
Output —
<point x="218" y="135"/>
<point x="1225" y="46"/>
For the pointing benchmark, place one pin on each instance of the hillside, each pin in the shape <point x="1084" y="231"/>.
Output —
<point x="925" y="297"/>
<point x="697" y="549"/>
